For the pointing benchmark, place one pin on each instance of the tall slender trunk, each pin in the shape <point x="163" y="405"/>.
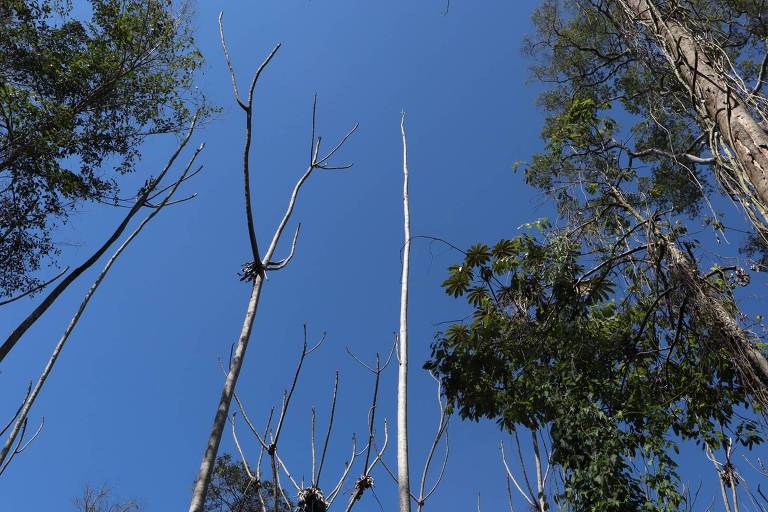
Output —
<point x="541" y="498"/>
<point x="220" y="419"/>
<point x="403" y="480"/>
<point x="713" y="98"/>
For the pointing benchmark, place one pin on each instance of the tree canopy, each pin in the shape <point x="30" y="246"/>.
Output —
<point x="615" y="328"/>
<point x="77" y="98"/>
<point x="232" y="490"/>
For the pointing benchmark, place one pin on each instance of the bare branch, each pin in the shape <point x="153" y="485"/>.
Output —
<point x="18" y="411"/>
<point x="513" y="479"/>
<point x="312" y="445"/>
<point x="229" y="62"/>
<point x="277" y="265"/>
<point x="316" y="482"/>
<point x="35" y="289"/>
<point x="760" y="81"/>
<point x="287" y="473"/>
<point x="442" y="425"/>
<point x="322" y="161"/>
<point x="22" y="328"/>
<point x="686" y="157"/>
<point x="248" y="108"/>
<point x="347" y="467"/>
<point x="240" y="449"/>
<point x="21" y="421"/>
<point x="287" y="400"/>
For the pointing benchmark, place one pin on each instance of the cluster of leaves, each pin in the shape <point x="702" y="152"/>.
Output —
<point x="591" y="332"/>
<point x="615" y="381"/>
<point x="232" y="490"/>
<point x="596" y="57"/>
<point x="77" y="96"/>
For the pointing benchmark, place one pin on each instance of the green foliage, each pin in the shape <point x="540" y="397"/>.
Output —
<point x="77" y="98"/>
<point x="590" y="327"/>
<point x="232" y="490"/>
<point x="597" y="61"/>
<point x="616" y="381"/>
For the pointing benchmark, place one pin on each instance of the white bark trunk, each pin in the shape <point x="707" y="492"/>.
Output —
<point x="404" y="488"/>
<point x="219" y="421"/>
<point x="541" y="499"/>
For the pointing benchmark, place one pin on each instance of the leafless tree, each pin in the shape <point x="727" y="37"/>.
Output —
<point x="146" y="198"/>
<point x="151" y="190"/>
<point x="365" y="480"/>
<point x="100" y="500"/>
<point x="310" y="497"/>
<point x="255" y="271"/>
<point x="403" y="478"/>
<point x="405" y="494"/>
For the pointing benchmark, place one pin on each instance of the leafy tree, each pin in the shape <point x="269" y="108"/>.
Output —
<point x="606" y="59"/>
<point x="613" y="377"/>
<point x="232" y="490"/>
<point x="690" y="73"/>
<point x="618" y="330"/>
<point x="77" y="98"/>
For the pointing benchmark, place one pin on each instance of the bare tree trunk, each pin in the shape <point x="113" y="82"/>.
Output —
<point x="256" y="270"/>
<point x="220" y="419"/>
<point x="54" y="294"/>
<point x="541" y="496"/>
<point x="715" y="100"/>
<point x="30" y="400"/>
<point x="403" y="480"/>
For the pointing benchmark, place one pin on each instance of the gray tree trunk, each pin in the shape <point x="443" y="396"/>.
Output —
<point x="714" y="99"/>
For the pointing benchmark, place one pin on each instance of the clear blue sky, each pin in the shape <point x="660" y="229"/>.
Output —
<point x="132" y="398"/>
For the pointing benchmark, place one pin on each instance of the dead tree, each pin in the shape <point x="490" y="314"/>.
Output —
<point x="146" y="199"/>
<point x="405" y="495"/>
<point x="311" y="497"/>
<point x="365" y="480"/>
<point x="403" y="478"/>
<point x="441" y="434"/>
<point x="255" y="271"/>
<point x="143" y="199"/>
<point x="101" y="500"/>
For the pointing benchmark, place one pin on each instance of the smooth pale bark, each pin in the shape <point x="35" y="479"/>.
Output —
<point x="403" y="479"/>
<point x="219" y="422"/>
<point x="712" y="96"/>
<point x="541" y="497"/>
<point x="222" y="410"/>
<point x="220" y="419"/>
<point x="260" y="268"/>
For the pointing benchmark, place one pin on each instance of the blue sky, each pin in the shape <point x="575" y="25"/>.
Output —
<point x="132" y="398"/>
